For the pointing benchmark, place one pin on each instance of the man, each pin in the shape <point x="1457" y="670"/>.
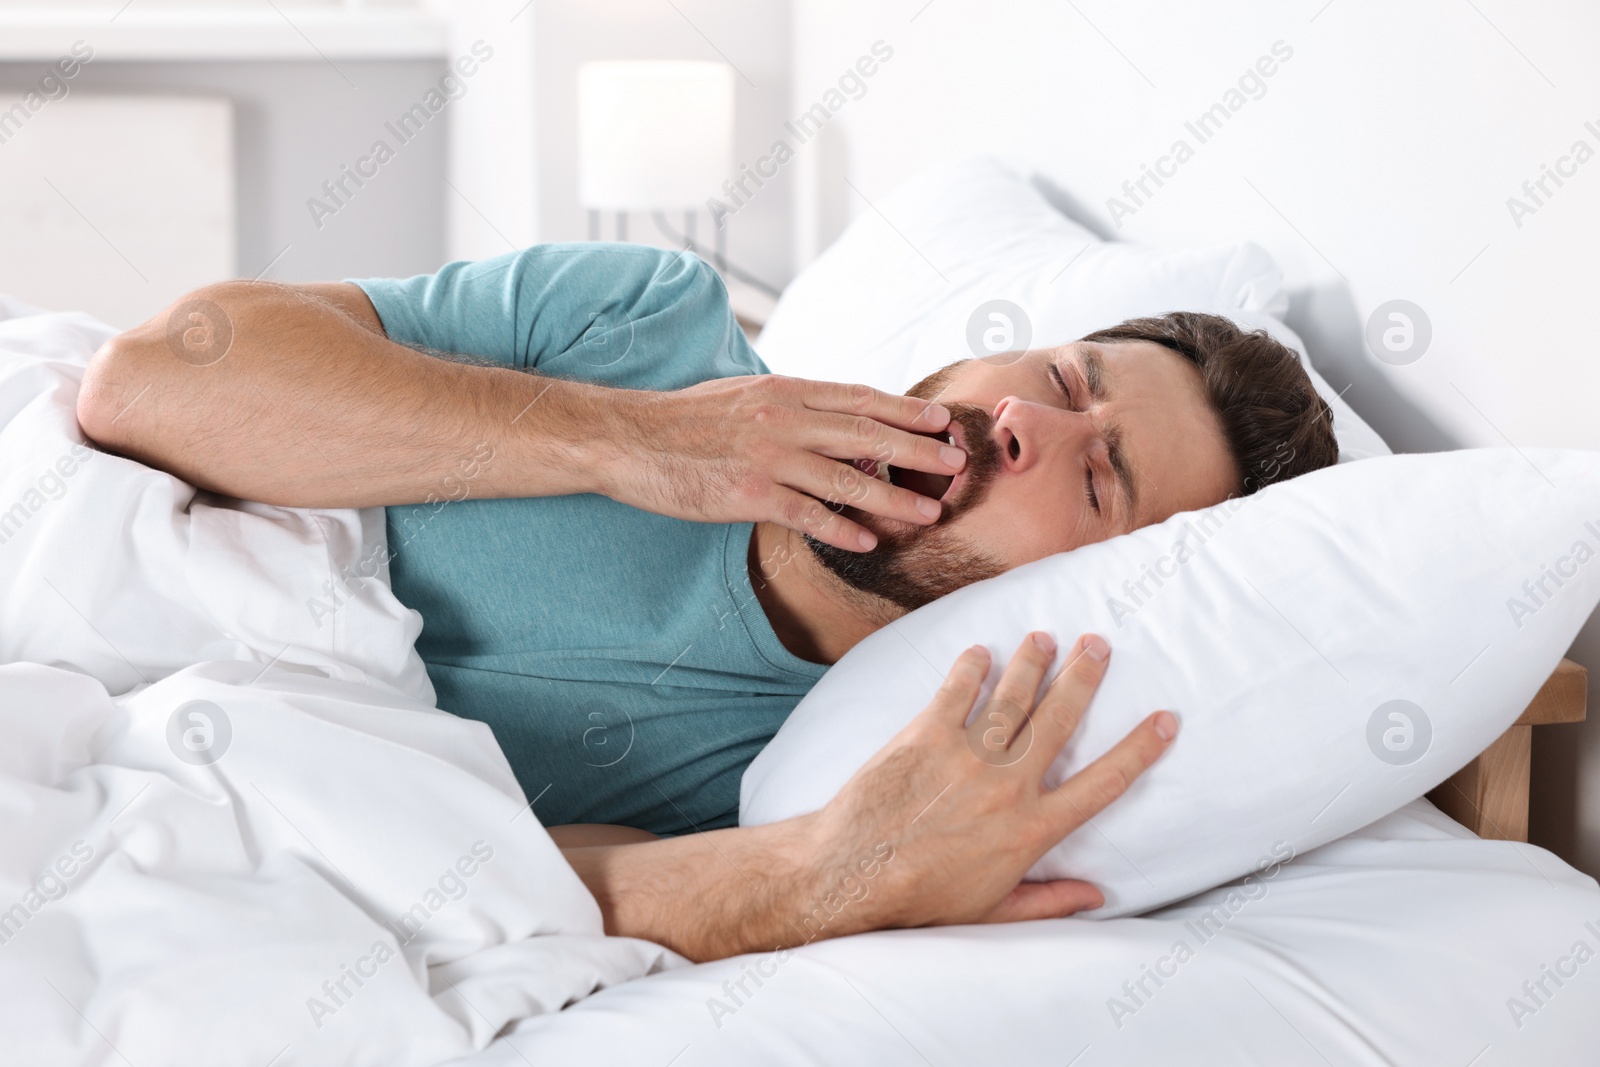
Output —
<point x="631" y="663"/>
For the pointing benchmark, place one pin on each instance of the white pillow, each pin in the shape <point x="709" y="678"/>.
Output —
<point x="1279" y="627"/>
<point x="895" y="297"/>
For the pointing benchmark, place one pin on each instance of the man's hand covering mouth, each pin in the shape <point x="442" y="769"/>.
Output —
<point x="923" y="483"/>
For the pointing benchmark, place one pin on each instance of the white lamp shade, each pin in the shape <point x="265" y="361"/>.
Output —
<point x="653" y="136"/>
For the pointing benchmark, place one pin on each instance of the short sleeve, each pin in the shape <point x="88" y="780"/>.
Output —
<point x="625" y="315"/>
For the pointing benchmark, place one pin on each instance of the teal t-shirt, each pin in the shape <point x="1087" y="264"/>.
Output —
<point x="620" y="657"/>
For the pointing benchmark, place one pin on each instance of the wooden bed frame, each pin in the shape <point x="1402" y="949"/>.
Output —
<point x="1489" y="796"/>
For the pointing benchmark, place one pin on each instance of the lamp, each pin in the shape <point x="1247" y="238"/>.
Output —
<point x="653" y="136"/>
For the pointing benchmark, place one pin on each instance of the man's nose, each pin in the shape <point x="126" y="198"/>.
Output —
<point x="1023" y="429"/>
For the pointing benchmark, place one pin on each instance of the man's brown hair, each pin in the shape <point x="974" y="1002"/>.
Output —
<point x="1275" y="424"/>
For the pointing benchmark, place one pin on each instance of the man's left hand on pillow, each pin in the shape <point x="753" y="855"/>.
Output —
<point x="938" y="828"/>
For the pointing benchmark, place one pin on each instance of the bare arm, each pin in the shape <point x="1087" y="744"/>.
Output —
<point x="927" y="833"/>
<point x="311" y="405"/>
<point x="293" y="395"/>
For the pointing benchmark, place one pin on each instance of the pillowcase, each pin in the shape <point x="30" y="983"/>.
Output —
<point x="1335" y="645"/>
<point x="912" y="286"/>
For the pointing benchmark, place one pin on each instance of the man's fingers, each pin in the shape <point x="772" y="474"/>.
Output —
<point x="953" y="702"/>
<point x="852" y="437"/>
<point x="1087" y="793"/>
<point x="1045" y="900"/>
<point x="839" y="483"/>
<point x="905" y="412"/>
<point x="1062" y="705"/>
<point x="809" y="515"/>
<point x="1001" y="720"/>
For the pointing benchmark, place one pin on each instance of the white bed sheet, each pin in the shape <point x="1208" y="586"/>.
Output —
<point x="1400" y="944"/>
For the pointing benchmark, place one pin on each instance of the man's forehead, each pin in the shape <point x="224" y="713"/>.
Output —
<point x="1115" y="355"/>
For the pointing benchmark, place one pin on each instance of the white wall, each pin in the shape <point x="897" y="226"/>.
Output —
<point x="114" y="240"/>
<point x="1376" y="165"/>
<point x="491" y="195"/>
<point x="311" y="89"/>
<point x="752" y="35"/>
<point x="295" y="124"/>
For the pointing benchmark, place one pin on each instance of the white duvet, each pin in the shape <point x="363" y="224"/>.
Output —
<point x="233" y="830"/>
<point x="345" y="876"/>
<point x="284" y="855"/>
<point x="127" y="574"/>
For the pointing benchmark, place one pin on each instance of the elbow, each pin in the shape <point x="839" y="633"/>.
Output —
<point x="110" y="389"/>
<point x="100" y="397"/>
<point x="133" y="371"/>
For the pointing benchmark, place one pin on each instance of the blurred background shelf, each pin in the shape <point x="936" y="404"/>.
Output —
<point x="139" y="31"/>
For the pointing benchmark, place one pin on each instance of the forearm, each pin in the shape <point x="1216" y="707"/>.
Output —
<point x="708" y="895"/>
<point x="592" y="835"/>
<point x="311" y="407"/>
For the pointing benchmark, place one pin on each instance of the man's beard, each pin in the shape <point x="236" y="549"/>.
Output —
<point x="915" y="565"/>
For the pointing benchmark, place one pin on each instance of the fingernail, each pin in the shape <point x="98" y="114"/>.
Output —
<point x="1166" y="725"/>
<point x="937" y="414"/>
<point x="868" y="539"/>
<point x="1095" y="647"/>
<point x="952" y="456"/>
<point x="1045" y="643"/>
<point x="928" y="507"/>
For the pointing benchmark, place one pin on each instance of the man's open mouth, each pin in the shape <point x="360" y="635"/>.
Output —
<point x="934" y="486"/>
